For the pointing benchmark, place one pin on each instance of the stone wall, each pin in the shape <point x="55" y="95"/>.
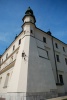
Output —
<point x="2" y="98"/>
<point x="29" y="96"/>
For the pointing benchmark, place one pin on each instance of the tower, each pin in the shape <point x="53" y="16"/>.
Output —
<point x="29" y="22"/>
<point x="32" y="75"/>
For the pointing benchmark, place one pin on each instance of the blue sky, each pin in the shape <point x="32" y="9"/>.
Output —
<point x="50" y="14"/>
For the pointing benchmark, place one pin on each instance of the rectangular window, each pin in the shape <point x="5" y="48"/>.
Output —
<point x="44" y="39"/>
<point x="31" y="31"/>
<point x="56" y="45"/>
<point x="63" y="49"/>
<point x="11" y="59"/>
<point x="0" y="79"/>
<point x="19" y="41"/>
<point x="6" y="55"/>
<point x="57" y="57"/>
<point x="13" y="47"/>
<point x="2" y="60"/>
<point x="66" y="61"/>
<point x="6" y="81"/>
<point x="24" y="32"/>
<point x="60" y="78"/>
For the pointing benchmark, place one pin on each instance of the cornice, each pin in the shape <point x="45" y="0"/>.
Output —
<point x="7" y="67"/>
<point x="9" y="56"/>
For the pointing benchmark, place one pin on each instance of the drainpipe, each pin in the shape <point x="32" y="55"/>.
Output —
<point x="55" y="61"/>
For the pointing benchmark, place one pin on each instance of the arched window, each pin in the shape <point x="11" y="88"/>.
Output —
<point x="0" y="79"/>
<point x="6" y="80"/>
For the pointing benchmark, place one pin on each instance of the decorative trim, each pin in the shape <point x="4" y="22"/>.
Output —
<point x="47" y="47"/>
<point x="9" y="56"/>
<point x="12" y="43"/>
<point x="57" y="51"/>
<point x="7" y="67"/>
<point x="28" y="23"/>
<point x="59" y="84"/>
<point x="44" y="57"/>
<point x="55" y="60"/>
<point x="40" y="30"/>
<point x="65" y="55"/>
<point x="51" y="35"/>
<point x="33" y="95"/>
<point x="29" y="15"/>
<point x="41" y="48"/>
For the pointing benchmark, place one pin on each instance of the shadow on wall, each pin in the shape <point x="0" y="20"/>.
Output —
<point x="2" y="98"/>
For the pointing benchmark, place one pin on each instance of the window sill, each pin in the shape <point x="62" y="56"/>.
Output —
<point x="59" y="84"/>
<point x="5" y="87"/>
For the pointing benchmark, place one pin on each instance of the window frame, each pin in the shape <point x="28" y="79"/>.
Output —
<point x="6" y="55"/>
<point x="44" y="39"/>
<point x="6" y="80"/>
<point x="0" y="79"/>
<point x="2" y="60"/>
<point x="31" y="31"/>
<point x="13" y="47"/>
<point x="66" y="61"/>
<point x="64" y="49"/>
<point x="57" y="58"/>
<point x="56" y="45"/>
<point x="19" y="41"/>
<point x="61" y="78"/>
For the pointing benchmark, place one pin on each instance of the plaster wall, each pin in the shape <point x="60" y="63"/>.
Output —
<point x="29" y="19"/>
<point x="2" y="89"/>
<point x="39" y="71"/>
<point x="10" y="49"/>
<point x="47" y="46"/>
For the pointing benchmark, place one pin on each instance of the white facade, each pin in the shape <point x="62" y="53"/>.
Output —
<point x="34" y="65"/>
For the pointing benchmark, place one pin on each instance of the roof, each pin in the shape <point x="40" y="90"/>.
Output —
<point x="49" y="33"/>
<point x="29" y="12"/>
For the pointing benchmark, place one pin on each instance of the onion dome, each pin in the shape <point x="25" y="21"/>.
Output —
<point x="29" y="12"/>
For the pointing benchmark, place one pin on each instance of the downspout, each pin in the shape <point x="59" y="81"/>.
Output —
<point x="55" y="61"/>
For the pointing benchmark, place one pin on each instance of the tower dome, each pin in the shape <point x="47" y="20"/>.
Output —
<point x="29" y="13"/>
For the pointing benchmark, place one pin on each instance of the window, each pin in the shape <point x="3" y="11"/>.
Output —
<point x="24" y="32"/>
<point x="2" y="60"/>
<point x="13" y="47"/>
<point x="19" y="41"/>
<point x="44" y="39"/>
<point x="47" y="54"/>
<point x="17" y="52"/>
<point x="66" y="60"/>
<point x="6" y="55"/>
<point x="0" y="79"/>
<point x="31" y="31"/>
<point x="6" y="80"/>
<point x="12" y="59"/>
<point x="30" y="20"/>
<point x="56" y="45"/>
<point x="57" y="56"/>
<point x="63" y="49"/>
<point x="60" y="78"/>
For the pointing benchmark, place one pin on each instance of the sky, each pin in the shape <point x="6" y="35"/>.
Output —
<point x="50" y="15"/>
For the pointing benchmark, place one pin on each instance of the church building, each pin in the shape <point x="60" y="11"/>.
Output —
<point x="34" y="66"/>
